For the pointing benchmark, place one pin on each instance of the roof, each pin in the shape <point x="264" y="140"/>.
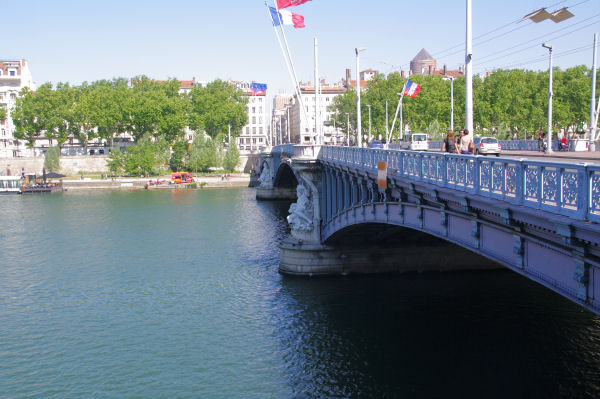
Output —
<point x="423" y="55"/>
<point x="363" y="83"/>
<point x="187" y="84"/>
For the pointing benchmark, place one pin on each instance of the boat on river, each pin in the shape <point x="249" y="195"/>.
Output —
<point x="42" y="188"/>
<point x="10" y="184"/>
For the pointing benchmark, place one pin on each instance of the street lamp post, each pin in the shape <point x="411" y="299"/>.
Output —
<point x="348" y="129"/>
<point x="369" y="106"/>
<point x="451" y="79"/>
<point x="358" y="124"/>
<point x="549" y="138"/>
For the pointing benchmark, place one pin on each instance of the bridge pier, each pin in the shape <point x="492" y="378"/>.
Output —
<point x="275" y="193"/>
<point x="300" y="258"/>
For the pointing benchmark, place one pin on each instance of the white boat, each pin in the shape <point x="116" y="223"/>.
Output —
<point x="10" y="184"/>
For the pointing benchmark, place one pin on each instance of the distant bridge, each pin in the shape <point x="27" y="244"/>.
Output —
<point x="537" y="218"/>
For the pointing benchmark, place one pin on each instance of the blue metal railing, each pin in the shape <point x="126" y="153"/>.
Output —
<point x="568" y="189"/>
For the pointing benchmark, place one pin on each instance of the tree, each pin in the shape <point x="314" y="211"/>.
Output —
<point x="177" y="161"/>
<point x="52" y="159"/>
<point x="217" y="107"/>
<point x="3" y="114"/>
<point x="116" y="162"/>
<point x="202" y="154"/>
<point x="232" y="157"/>
<point x="108" y="106"/>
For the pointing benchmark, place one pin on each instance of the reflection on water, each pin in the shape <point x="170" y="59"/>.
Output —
<point x="176" y="294"/>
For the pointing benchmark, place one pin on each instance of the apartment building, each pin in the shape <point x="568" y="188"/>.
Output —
<point x="14" y="76"/>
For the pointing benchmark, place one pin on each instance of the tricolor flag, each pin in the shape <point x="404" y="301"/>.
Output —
<point x="289" y="3"/>
<point x="286" y="18"/>
<point x="259" y="89"/>
<point x="411" y="89"/>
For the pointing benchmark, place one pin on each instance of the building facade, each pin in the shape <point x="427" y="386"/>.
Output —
<point x="280" y="119"/>
<point x="254" y="135"/>
<point x="303" y="129"/>
<point x="14" y="76"/>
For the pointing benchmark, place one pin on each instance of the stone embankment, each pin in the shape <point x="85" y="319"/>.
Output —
<point x="142" y="183"/>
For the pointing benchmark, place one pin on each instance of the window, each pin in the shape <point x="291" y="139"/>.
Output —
<point x="260" y="131"/>
<point x="253" y="141"/>
<point x="13" y="96"/>
<point x="260" y="109"/>
<point x="260" y="119"/>
<point x="254" y="120"/>
<point x="254" y="130"/>
<point x="253" y="110"/>
<point x="260" y="139"/>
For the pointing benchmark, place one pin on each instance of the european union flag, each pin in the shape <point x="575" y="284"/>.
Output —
<point x="259" y="89"/>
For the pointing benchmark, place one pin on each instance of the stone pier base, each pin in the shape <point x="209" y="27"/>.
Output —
<point x="306" y="259"/>
<point x="276" y="193"/>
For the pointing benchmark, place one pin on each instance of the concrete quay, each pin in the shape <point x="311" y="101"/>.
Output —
<point x="140" y="183"/>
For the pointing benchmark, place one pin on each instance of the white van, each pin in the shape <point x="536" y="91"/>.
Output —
<point x="419" y="142"/>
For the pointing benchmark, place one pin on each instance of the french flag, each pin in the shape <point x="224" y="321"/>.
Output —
<point x="411" y="89"/>
<point x="286" y="17"/>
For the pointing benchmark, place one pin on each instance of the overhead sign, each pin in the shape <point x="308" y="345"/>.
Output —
<point x="382" y="175"/>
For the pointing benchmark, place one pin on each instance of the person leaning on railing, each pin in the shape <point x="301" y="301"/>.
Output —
<point x="449" y="144"/>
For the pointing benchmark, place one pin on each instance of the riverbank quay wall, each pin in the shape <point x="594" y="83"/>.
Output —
<point x="69" y="165"/>
<point x="539" y="219"/>
<point x="72" y="165"/>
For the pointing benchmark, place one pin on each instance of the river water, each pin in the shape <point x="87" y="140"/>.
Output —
<point x="176" y="294"/>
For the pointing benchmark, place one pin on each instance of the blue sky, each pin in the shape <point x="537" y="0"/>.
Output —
<point x="77" y="41"/>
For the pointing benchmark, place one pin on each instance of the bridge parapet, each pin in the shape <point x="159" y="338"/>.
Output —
<point x="566" y="189"/>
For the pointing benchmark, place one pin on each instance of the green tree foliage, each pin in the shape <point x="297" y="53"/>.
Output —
<point x="116" y="162"/>
<point x="507" y="102"/>
<point x="216" y="107"/>
<point x="52" y="159"/>
<point x="178" y="156"/>
<point x="3" y="114"/>
<point x="232" y="157"/>
<point x="202" y="154"/>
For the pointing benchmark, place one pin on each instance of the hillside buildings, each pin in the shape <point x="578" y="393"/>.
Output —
<point x="14" y="76"/>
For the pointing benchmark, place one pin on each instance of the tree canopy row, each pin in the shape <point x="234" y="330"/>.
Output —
<point x="106" y="109"/>
<point x="508" y="103"/>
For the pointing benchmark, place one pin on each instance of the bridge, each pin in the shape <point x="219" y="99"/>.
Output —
<point x="363" y="210"/>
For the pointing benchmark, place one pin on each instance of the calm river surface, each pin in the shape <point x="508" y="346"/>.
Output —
<point x="175" y="294"/>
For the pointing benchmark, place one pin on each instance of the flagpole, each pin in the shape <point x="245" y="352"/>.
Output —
<point x="396" y="115"/>
<point x="387" y="123"/>
<point x="287" y="62"/>
<point x="317" y="83"/>
<point x="292" y="65"/>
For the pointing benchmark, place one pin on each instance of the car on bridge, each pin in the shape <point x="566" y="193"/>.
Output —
<point x="416" y="142"/>
<point x="487" y="145"/>
<point x="376" y="144"/>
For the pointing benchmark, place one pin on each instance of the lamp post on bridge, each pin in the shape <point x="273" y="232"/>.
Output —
<point x="369" y="106"/>
<point x="358" y="122"/>
<point x="348" y="129"/>
<point x="549" y="138"/>
<point x="451" y="79"/>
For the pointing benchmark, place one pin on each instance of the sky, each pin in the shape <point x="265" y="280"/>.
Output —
<point x="88" y="40"/>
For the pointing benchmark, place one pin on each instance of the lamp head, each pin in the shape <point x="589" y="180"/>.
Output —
<point x="359" y="49"/>
<point x="547" y="45"/>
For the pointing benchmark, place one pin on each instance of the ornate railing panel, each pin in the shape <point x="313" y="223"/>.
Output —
<point x="568" y="189"/>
